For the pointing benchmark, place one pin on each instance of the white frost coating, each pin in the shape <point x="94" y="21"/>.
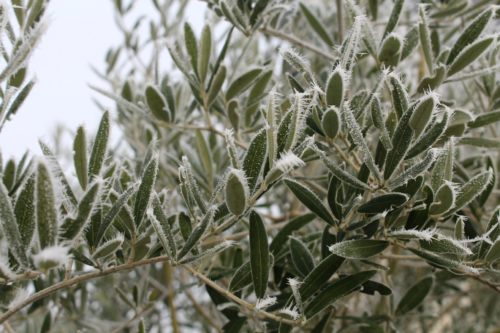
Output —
<point x="352" y="45"/>
<point x="298" y="121"/>
<point x="416" y="170"/>
<point x="231" y="148"/>
<point x="5" y="269"/>
<point x="21" y="295"/>
<point x="484" y="237"/>
<point x="159" y="230"/>
<point x="395" y="36"/>
<point x="456" y="243"/>
<point x="290" y="311"/>
<point x="240" y="174"/>
<point x="57" y="254"/>
<point x="288" y="162"/>
<point x="295" y="59"/>
<point x="424" y="234"/>
<point x="294" y="282"/>
<point x="359" y="140"/>
<point x="264" y="303"/>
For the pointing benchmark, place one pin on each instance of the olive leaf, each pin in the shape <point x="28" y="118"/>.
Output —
<point x="259" y="254"/>
<point x="310" y="200"/>
<point x="414" y="296"/>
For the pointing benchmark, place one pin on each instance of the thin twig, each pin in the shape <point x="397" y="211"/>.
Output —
<point x="296" y="41"/>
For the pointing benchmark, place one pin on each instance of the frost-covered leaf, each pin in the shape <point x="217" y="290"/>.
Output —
<point x="359" y="249"/>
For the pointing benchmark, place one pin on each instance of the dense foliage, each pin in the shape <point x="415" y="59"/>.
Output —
<point x="308" y="166"/>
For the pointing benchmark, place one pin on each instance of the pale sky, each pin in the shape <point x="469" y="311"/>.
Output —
<point x="80" y="34"/>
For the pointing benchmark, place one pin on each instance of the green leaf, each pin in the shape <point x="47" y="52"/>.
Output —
<point x="483" y="198"/>
<point x="394" y="18"/>
<point x="108" y="248"/>
<point x="417" y="218"/>
<point x="80" y="157"/>
<point x="205" y="155"/>
<point x="310" y="200"/>
<point x="160" y="222"/>
<point x="423" y="113"/>
<point x="492" y="234"/>
<point x="259" y="254"/>
<point x="390" y="50"/>
<point x="191" y="46"/>
<point x="359" y="248"/>
<point x="194" y="193"/>
<point x="141" y="328"/>
<point x="469" y="54"/>
<point x="331" y="123"/>
<point x="24" y="211"/>
<point x="73" y="228"/>
<point x="236" y="192"/>
<point x="401" y="141"/>
<point x="470" y="34"/>
<point x="358" y="138"/>
<point x="471" y="190"/>
<point x="339" y="173"/>
<point x="282" y="236"/>
<point x="216" y="86"/>
<point x="415" y="170"/>
<point x="399" y="95"/>
<point x="10" y="228"/>
<point x="58" y="174"/>
<point x="301" y="257"/>
<point x="204" y="52"/>
<point x="480" y="142"/>
<point x="432" y="82"/>
<point x="430" y="137"/>
<point x="412" y="39"/>
<point x="259" y="7"/>
<point x="100" y="147"/>
<point x="80" y="257"/>
<point x="186" y="229"/>
<point x="145" y="189"/>
<point x="425" y="40"/>
<point x="494" y="252"/>
<point x="209" y="253"/>
<point x="317" y="25"/>
<point x="119" y="208"/>
<point x="21" y="97"/>
<point x="484" y="119"/>
<point x="157" y="103"/>
<point x="242" y="82"/>
<point x="365" y="222"/>
<point x="444" y="245"/>
<point x="414" y="296"/>
<point x="443" y="262"/>
<point x="336" y="87"/>
<point x="315" y="280"/>
<point x="241" y="278"/>
<point x="197" y="233"/>
<point x="335" y="291"/>
<point x="334" y="197"/>
<point x="256" y="94"/>
<point x="445" y="199"/>
<point x="47" y="216"/>
<point x="382" y="203"/>
<point x="255" y="158"/>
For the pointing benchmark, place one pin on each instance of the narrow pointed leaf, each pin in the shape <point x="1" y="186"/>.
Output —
<point x="310" y="200"/>
<point x="80" y="157"/>
<point x="204" y="52"/>
<point x="47" y="216"/>
<point x="414" y="296"/>
<point x="336" y="291"/>
<point x="359" y="249"/>
<point x="145" y="189"/>
<point x="10" y="228"/>
<point x="254" y="159"/>
<point x="242" y="82"/>
<point x="197" y="233"/>
<point x="259" y="254"/>
<point x="383" y="203"/>
<point x="301" y="257"/>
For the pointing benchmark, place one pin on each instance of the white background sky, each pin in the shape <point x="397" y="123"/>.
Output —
<point x="80" y="34"/>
